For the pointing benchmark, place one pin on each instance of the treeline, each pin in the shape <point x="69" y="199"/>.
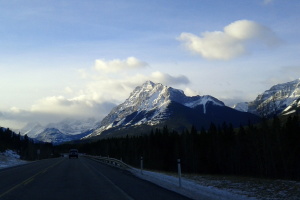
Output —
<point x="271" y="149"/>
<point x="24" y="146"/>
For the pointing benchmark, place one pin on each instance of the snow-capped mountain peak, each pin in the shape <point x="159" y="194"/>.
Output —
<point x="74" y="126"/>
<point x="65" y="130"/>
<point x="242" y="106"/>
<point x="151" y="95"/>
<point x="147" y="104"/>
<point x="32" y="129"/>
<point x="146" y="97"/>
<point x="273" y="101"/>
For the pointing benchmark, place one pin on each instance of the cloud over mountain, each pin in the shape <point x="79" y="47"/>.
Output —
<point x="117" y="65"/>
<point x="230" y="43"/>
<point x="102" y="89"/>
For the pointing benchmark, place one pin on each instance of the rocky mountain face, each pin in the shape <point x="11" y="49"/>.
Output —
<point x="155" y="104"/>
<point x="32" y="129"/>
<point x="280" y="99"/>
<point x="294" y="107"/>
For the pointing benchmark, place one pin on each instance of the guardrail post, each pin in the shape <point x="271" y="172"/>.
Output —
<point x="142" y="164"/>
<point x="179" y="171"/>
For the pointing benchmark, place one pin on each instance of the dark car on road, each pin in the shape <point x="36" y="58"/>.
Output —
<point x="73" y="153"/>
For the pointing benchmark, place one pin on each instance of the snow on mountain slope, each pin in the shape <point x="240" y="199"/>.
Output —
<point x="32" y="129"/>
<point x="292" y="108"/>
<point x="273" y="101"/>
<point x="74" y="126"/>
<point x="147" y="105"/>
<point x="193" y="102"/>
<point x="52" y="135"/>
<point x="63" y="131"/>
<point x="243" y="106"/>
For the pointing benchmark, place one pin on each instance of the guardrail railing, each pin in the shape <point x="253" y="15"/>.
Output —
<point x="110" y="161"/>
<point x="120" y="164"/>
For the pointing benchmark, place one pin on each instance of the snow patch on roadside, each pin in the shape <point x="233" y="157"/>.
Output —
<point x="10" y="158"/>
<point x="189" y="188"/>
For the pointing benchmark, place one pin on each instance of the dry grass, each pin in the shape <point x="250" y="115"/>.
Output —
<point x="261" y="189"/>
<point x="251" y="187"/>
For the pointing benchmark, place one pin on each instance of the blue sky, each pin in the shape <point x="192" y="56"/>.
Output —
<point x="80" y="58"/>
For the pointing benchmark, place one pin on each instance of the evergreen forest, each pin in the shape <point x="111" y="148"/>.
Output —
<point x="270" y="149"/>
<point x="24" y="146"/>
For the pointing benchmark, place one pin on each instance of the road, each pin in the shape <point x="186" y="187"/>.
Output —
<point x="72" y="179"/>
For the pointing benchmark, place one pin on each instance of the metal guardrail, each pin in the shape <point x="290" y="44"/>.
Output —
<point x="110" y="161"/>
<point x="120" y="164"/>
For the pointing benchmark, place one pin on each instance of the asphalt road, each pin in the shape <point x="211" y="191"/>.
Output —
<point x="72" y="179"/>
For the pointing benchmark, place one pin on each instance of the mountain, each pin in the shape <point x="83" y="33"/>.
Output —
<point x="63" y="131"/>
<point x="32" y="129"/>
<point x="242" y="106"/>
<point x="74" y="126"/>
<point x="292" y="108"/>
<point x="51" y="135"/>
<point x="279" y="99"/>
<point x="55" y="136"/>
<point x="151" y="105"/>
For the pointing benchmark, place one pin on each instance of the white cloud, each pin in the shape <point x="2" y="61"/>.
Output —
<point x="117" y="88"/>
<point x="83" y="73"/>
<point x="68" y="90"/>
<point x="54" y="109"/>
<point x="281" y="75"/>
<point x="15" y="110"/>
<point x="119" y="65"/>
<point x="230" y="43"/>
<point x="190" y="92"/>
<point x="167" y="79"/>
<point x="53" y="104"/>
<point x="79" y="106"/>
<point x="99" y="93"/>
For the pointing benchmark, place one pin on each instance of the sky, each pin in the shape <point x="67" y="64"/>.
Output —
<point x="78" y="59"/>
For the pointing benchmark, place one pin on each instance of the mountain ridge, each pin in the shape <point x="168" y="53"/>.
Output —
<point x="153" y="103"/>
<point x="63" y="131"/>
<point x="274" y="101"/>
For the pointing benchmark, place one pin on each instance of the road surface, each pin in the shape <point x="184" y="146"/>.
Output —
<point x="72" y="179"/>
